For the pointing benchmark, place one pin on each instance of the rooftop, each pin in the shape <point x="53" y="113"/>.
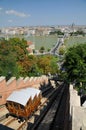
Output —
<point x="23" y="95"/>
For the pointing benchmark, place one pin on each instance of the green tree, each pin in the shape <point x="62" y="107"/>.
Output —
<point x="53" y="65"/>
<point x="62" y="50"/>
<point x="12" y="55"/>
<point x="79" y="32"/>
<point x="7" y="59"/>
<point x="48" y="64"/>
<point x="42" y="49"/>
<point x="75" y="64"/>
<point x="18" y="44"/>
<point x="15" y="61"/>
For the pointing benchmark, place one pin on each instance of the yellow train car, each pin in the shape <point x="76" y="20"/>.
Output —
<point x="23" y="103"/>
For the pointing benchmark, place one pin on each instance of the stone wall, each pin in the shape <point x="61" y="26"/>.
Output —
<point x="77" y="112"/>
<point x="6" y="88"/>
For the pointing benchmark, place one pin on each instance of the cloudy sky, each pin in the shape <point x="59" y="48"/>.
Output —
<point x="42" y="12"/>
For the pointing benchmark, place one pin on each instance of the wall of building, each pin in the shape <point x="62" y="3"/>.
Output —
<point x="6" y="88"/>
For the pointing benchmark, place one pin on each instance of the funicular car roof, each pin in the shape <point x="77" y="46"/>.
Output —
<point x="23" y="95"/>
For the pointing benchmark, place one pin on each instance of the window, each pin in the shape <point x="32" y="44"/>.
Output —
<point x="0" y="96"/>
<point x="6" y="104"/>
<point x="10" y="103"/>
<point x="22" y="107"/>
<point x="16" y="105"/>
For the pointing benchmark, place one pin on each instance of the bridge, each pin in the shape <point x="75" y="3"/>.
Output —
<point x="55" y="49"/>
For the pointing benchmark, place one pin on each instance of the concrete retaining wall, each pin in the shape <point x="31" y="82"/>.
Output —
<point x="77" y="112"/>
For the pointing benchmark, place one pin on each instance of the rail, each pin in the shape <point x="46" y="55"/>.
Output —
<point x="47" y="92"/>
<point x="48" y="113"/>
<point x="57" y="109"/>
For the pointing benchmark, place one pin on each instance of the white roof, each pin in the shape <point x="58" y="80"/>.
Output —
<point x="23" y="95"/>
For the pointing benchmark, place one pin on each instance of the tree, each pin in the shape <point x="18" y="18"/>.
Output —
<point x="79" y="32"/>
<point x="12" y="56"/>
<point x="15" y="61"/>
<point x="62" y="50"/>
<point x="18" y="44"/>
<point x="58" y="32"/>
<point x="7" y="59"/>
<point x="75" y="64"/>
<point x="48" y="64"/>
<point x="42" y="49"/>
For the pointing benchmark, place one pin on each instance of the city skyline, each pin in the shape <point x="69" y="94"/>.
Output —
<point x="42" y="12"/>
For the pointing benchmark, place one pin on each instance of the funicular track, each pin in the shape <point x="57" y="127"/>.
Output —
<point x="10" y="121"/>
<point x="45" y="91"/>
<point x="55" y="115"/>
<point x="52" y="114"/>
<point x="61" y="119"/>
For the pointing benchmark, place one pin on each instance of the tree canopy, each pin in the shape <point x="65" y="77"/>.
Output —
<point x="48" y="64"/>
<point x="75" y="64"/>
<point x="16" y="61"/>
<point x="79" y="32"/>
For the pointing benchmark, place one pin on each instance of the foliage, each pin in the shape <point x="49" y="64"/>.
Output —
<point x="48" y="64"/>
<point x="6" y="58"/>
<point x="58" y="32"/>
<point x="15" y="60"/>
<point x="42" y="49"/>
<point x="79" y="32"/>
<point x="62" y="50"/>
<point x="75" y="64"/>
<point x="12" y="51"/>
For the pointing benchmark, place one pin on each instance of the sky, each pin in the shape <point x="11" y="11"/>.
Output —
<point x="42" y="12"/>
